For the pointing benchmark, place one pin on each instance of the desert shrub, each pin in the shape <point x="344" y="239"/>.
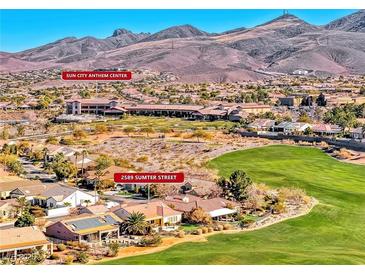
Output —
<point x="66" y="141"/>
<point x="177" y="134"/>
<point x="61" y="247"/>
<point x="219" y="227"/>
<point x="37" y="257"/>
<point x="83" y="246"/>
<point x="101" y="128"/>
<point x="199" y="231"/>
<point x="113" y="249"/>
<point x="198" y="216"/>
<point x="151" y="240"/>
<point x="68" y="259"/>
<point x="204" y="230"/>
<point x="181" y="234"/>
<point x="343" y="154"/>
<point x="227" y="227"/>
<point x="52" y="140"/>
<point x="5" y="261"/>
<point x="210" y="229"/>
<point x="291" y="195"/>
<point x="82" y="257"/>
<point x="279" y="207"/>
<point x="142" y="159"/>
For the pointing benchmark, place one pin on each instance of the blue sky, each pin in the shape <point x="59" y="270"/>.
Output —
<point x="23" y="29"/>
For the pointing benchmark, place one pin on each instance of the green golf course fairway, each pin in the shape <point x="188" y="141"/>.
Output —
<point x="332" y="233"/>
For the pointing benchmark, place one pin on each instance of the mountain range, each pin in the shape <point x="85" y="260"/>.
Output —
<point x="282" y="45"/>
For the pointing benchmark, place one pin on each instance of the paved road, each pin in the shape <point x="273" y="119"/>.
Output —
<point x="42" y="136"/>
<point x="34" y="173"/>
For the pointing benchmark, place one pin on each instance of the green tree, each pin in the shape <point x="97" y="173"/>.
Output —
<point x="62" y="168"/>
<point x="25" y="219"/>
<point x="11" y="161"/>
<point x="103" y="162"/>
<point x="44" y="102"/>
<point x="136" y="224"/>
<point x="235" y="187"/>
<point x="344" y="116"/>
<point x="304" y="118"/>
<point x="22" y="205"/>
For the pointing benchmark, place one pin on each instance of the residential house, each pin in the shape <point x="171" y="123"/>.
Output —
<point x="55" y="199"/>
<point x="80" y="162"/>
<point x="86" y="228"/>
<point x="9" y="183"/>
<point x="53" y="150"/>
<point x="94" y="209"/>
<point x="291" y="128"/>
<point x="326" y="129"/>
<point x="157" y="213"/>
<point x="59" y="196"/>
<point x="217" y="208"/>
<point x="236" y="112"/>
<point x="19" y="242"/>
<point x="8" y="209"/>
<point x="261" y="125"/>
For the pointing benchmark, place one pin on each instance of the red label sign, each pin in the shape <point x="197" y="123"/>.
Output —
<point x="143" y="178"/>
<point x="97" y="75"/>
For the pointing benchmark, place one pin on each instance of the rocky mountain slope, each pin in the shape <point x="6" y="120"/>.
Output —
<point x="184" y="31"/>
<point x="353" y="22"/>
<point x="282" y="45"/>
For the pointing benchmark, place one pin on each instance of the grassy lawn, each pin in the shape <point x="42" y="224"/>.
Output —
<point x="333" y="233"/>
<point x="159" y="123"/>
<point x="189" y="227"/>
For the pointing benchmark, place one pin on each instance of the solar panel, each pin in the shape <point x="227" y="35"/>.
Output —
<point x="92" y="222"/>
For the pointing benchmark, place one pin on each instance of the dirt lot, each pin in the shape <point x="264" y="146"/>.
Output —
<point x="170" y="153"/>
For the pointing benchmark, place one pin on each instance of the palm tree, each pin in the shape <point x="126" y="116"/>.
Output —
<point x="45" y="156"/>
<point x="84" y="154"/>
<point x="136" y="224"/>
<point x="77" y="154"/>
<point x="87" y="202"/>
